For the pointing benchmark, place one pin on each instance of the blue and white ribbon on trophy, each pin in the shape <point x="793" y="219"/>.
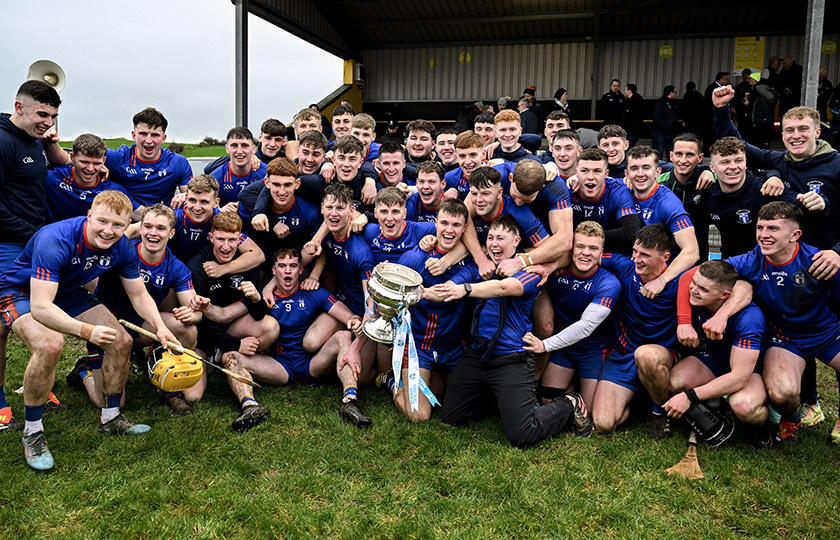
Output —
<point x="403" y="336"/>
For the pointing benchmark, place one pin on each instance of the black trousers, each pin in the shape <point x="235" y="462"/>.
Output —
<point x="509" y="381"/>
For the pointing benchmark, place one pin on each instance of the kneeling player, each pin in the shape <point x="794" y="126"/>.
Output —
<point x="42" y="297"/>
<point x="723" y="367"/>
<point x="496" y="363"/>
<point x="296" y="310"/>
<point x="436" y="327"/>
<point x="583" y="295"/>
<point x="162" y="274"/>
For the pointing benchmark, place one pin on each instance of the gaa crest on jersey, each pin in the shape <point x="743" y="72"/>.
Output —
<point x="743" y="216"/>
<point x="815" y="186"/>
<point x="799" y="279"/>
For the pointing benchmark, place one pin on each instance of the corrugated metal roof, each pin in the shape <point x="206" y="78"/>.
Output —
<point x="346" y="27"/>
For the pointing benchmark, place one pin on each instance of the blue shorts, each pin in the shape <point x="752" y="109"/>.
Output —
<point x="296" y="365"/>
<point x="15" y="303"/>
<point x="587" y="363"/>
<point x="621" y="369"/>
<point x="442" y="361"/>
<point x="823" y="349"/>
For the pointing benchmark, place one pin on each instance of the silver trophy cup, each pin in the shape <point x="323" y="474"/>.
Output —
<point x="393" y="287"/>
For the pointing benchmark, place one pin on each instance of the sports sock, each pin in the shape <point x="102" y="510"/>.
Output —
<point x="349" y="394"/>
<point x="658" y="410"/>
<point x="3" y="403"/>
<point x="111" y="407"/>
<point x="247" y="402"/>
<point x="84" y="374"/>
<point x="793" y="418"/>
<point x="33" y="424"/>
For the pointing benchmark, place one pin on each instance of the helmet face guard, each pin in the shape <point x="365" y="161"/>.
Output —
<point x="173" y="372"/>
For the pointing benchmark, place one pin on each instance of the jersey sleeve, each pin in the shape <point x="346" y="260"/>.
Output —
<point x="621" y="200"/>
<point x="326" y="300"/>
<point x="263" y="204"/>
<point x="678" y="218"/>
<point x="49" y="254"/>
<point x="184" y="171"/>
<point x="129" y="260"/>
<point x="364" y="259"/>
<point x="555" y="194"/>
<point x="532" y="228"/>
<point x="468" y="274"/>
<point x="608" y="293"/>
<point x="529" y="281"/>
<point x="748" y="330"/>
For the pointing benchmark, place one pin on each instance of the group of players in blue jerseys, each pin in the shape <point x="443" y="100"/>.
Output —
<point x="559" y="290"/>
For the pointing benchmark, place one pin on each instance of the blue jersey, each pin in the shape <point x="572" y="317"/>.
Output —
<point x="353" y="262"/>
<point x="458" y="180"/>
<point x="60" y="253"/>
<point x="386" y="249"/>
<point x="168" y="274"/>
<point x="231" y="184"/>
<point x="415" y="210"/>
<point x="639" y="320"/>
<point x="532" y="230"/>
<point x="554" y="195"/>
<point x="571" y="294"/>
<point x="437" y="326"/>
<point x="615" y="202"/>
<point x="148" y="183"/>
<point x="517" y="316"/>
<point x="303" y="218"/>
<point x="66" y="198"/>
<point x="295" y="313"/>
<point x="794" y="302"/>
<point x="744" y="330"/>
<point x="662" y="206"/>
<point x="372" y="152"/>
<point x="190" y="236"/>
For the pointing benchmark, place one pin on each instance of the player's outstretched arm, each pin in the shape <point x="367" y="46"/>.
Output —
<point x="494" y="288"/>
<point x="145" y="306"/>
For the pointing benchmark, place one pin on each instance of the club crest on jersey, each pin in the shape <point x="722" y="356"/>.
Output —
<point x="295" y="221"/>
<point x="815" y="186"/>
<point x="235" y="281"/>
<point x="647" y="213"/>
<point x="302" y="304"/>
<point x="743" y="216"/>
<point x="799" y="279"/>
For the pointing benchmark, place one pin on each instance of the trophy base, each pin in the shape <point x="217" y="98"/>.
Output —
<point x="380" y="330"/>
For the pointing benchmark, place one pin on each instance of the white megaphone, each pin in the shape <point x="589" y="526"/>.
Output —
<point x="49" y="72"/>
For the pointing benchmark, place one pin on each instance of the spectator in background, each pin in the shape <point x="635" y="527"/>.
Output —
<point x="561" y="102"/>
<point x="530" y="122"/>
<point x="612" y="105"/>
<point x="666" y="122"/>
<point x="790" y="85"/>
<point x="771" y="72"/>
<point x="693" y="109"/>
<point x="744" y="101"/>
<point x="466" y="118"/>
<point x="501" y="104"/>
<point x="764" y="104"/>
<point x="634" y="113"/>
<point x="824" y="89"/>
<point x="392" y="133"/>
<point x="531" y="93"/>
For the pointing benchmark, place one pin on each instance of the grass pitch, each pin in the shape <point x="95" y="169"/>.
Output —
<point x="306" y="473"/>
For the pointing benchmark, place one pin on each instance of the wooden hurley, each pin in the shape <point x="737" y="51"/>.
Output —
<point x="188" y="352"/>
<point x="689" y="467"/>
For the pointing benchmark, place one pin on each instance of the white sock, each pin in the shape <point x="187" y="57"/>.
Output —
<point x="32" y="426"/>
<point x="108" y="414"/>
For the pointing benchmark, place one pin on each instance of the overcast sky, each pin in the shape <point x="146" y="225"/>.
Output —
<point x="175" y="55"/>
